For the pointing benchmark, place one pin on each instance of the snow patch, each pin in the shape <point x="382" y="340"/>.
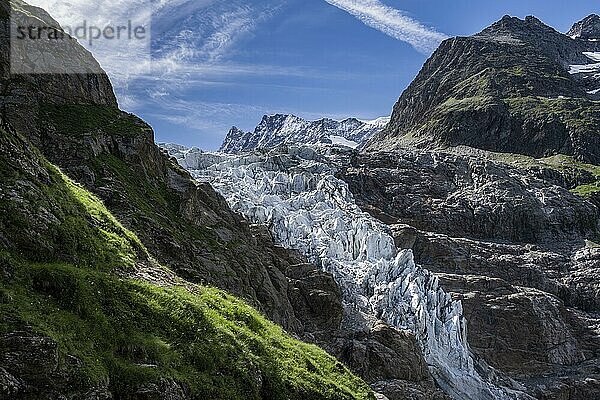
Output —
<point x="342" y="141"/>
<point x="587" y="68"/>
<point x="594" y="56"/>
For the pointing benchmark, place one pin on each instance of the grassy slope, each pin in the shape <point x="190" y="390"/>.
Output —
<point x="63" y="276"/>
<point x="561" y="163"/>
<point x="149" y="205"/>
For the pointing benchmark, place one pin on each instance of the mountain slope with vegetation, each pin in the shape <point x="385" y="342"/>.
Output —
<point x="85" y="309"/>
<point x="75" y="122"/>
<point x="115" y="304"/>
<point x="519" y="86"/>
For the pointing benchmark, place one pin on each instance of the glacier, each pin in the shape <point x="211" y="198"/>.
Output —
<point x="293" y="190"/>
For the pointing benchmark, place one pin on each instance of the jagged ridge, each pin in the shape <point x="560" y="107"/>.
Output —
<point x="279" y="129"/>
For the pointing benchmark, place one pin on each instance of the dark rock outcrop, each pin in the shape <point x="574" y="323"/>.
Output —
<point x="390" y="360"/>
<point x="23" y="93"/>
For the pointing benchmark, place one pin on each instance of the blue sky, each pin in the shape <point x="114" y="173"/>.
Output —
<point x="219" y="63"/>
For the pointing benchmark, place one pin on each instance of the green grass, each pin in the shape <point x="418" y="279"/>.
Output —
<point x="49" y="217"/>
<point x="153" y="200"/>
<point x="559" y="162"/>
<point x="579" y="114"/>
<point x="587" y="191"/>
<point x="133" y="333"/>
<point x="78" y="120"/>
<point x="110" y="240"/>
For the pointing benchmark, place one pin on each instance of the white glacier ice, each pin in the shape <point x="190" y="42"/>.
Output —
<point x="295" y="193"/>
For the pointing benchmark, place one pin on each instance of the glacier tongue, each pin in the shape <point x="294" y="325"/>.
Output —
<point x="294" y="191"/>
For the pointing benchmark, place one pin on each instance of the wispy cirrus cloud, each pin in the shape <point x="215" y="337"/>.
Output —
<point x="194" y="37"/>
<point x="205" y="31"/>
<point x="392" y="22"/>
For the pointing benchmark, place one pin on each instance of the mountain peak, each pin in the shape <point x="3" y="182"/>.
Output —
<point x="282" y="129"/>
<point x="511" y="88"/>
<point x="511" y="28"/>
<point x="587" y="29"/>
<point x="510" y="21"/>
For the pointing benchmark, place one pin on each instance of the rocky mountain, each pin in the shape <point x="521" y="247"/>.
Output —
<point x="513" y="239"/>
<point x="429" y="273"/>
<point x="103" y="282"/>
<point x="586" y="29"/>
<point x="518" y="86"/>
<point x="278" y="129"/>
<point x="513" y="235"/>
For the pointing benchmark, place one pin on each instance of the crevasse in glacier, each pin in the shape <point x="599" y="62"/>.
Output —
<point x="294" y="191"/>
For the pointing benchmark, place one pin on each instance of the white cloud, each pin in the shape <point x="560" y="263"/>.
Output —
<point x="188" y="36"/>
<point x="393" y="23"/>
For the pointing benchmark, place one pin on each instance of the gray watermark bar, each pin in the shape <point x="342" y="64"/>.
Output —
<point x="40" y="45"/>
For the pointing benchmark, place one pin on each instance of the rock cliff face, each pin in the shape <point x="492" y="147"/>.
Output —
<point x="513" y="237"/>
<point x="279" y="129"/>
<point x="23" y="94"/>
<point x="505" y="236"/>
<point x="518" y="86"/>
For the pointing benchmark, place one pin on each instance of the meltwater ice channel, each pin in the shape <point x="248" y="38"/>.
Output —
<point x="295" y="193"/>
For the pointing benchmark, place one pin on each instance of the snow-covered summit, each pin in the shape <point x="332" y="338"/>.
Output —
<point x="281" y="129"/>
<point x="586" y="29"/>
